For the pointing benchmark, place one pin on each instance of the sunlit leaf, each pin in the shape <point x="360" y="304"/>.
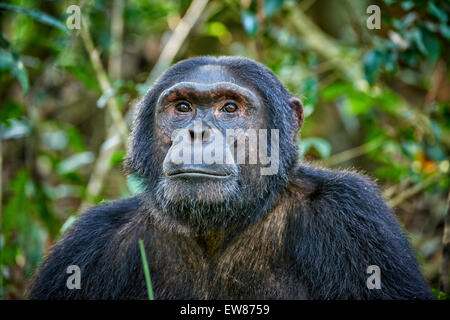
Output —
<point x="407" y="5"/>
<point x="37" y="15"/>
<point x="437" y="12"/>
<point x="249" y="22"/>
<point x="217" y="29"/>
<point x="6" y="59"/>
<point x="68" y="223"/>
<point x="117" y="157"/>
<point x="272" y="6"/>
<point x="75" y="139"/>
<point x="56" y="140"/>
<point x="76" y="161"/>
<point x="310" y="90"/>
<point x="21" y="74"/>
<point x="411" y="148"/>
<point x="15" y="129"/>
<point x="336" y="90"/>
<point x="321" y="145"/>
<point x="135" y="184"/>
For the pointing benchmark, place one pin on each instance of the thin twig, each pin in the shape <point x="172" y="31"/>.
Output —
<point x="177" y="39"/>
<point x="115" y="54"/>
<point x="320" y="42"/>
<point x="352" y="153"/>
<point x="408" y="193"/>
<point x="305" y="5"/>
<point x="101" y="166"/>
<point x="112" y="103"/>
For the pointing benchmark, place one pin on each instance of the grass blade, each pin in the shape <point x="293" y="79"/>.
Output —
<point x="148" y="281"/>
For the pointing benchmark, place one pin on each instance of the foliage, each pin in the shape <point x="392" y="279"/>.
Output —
<point x="390" y="118"/>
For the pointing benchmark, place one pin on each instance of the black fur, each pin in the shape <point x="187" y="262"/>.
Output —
<point x="306" y="233"/>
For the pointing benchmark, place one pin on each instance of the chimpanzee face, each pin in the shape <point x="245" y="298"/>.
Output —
<point x="203" y="123"/>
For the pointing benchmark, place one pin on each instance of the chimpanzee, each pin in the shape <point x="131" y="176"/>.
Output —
<point x="234" y="229"/>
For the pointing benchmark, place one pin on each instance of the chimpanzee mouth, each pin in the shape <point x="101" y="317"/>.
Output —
<point x="195" y="173"/>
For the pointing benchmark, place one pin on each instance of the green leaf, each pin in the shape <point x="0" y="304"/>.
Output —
<point x="217" y="29"/>
<point x="37" y="15"/>
<point x="148" y="280"/>
<point x="407" y="5"/>
<point x="436" y="153"/>
<point x="445" y="30"/>
<point x="336" y="90"/>
<point x="431" y="45"/>
<point x="436" y="129"/>
<point x="6" y="59"/>
<point x="10" y="61"/>
<point x="21" y="74"/>
<point x="135" y="184"/>
<point x="437" y="12"/>
<point x="357" y="103"/>
<point x="272" y="6"/>
<point x="440" y="294"/>
<point x="411" y="148"/>
<point x="321" y="145"/>
<point x="68" y="223"/>
<point x="75" y="139"/>
<point x="74" y="162"/>
<point x="55" y="140"/>
<point x="249" y="22"/>
<point x="15" y="129"/>
<point x="373" y="61"/>
<point x="84" y="75"/>
<point x="10" y="110"/>
<point x="117" y="157"/>
<point x="311" y="90"/>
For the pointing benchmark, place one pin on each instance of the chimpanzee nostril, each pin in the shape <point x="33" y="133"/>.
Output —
<point x="204" y="135"/>
<point x="192" y="133"/>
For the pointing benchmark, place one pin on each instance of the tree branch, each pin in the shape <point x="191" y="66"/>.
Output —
<point x="177" y="39"/>
<point x="352" y="153"/>
<point x="112" y="103"/>
<point x="408" y="193"/>
<point x="115" y="55"/>
<point x="320" y="42"/>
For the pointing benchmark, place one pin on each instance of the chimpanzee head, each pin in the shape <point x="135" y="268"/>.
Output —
<point x="213" y="138"/>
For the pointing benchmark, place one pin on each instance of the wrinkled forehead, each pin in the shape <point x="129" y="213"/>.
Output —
<point x="209" y="82"/>
<point x="210" y="74"/>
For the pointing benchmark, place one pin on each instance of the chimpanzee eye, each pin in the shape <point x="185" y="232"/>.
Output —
<point x="229" y="108"/>
<point x="183" y="107"/>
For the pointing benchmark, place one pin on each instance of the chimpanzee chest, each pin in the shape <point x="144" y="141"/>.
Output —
<point x="244" y="269"/>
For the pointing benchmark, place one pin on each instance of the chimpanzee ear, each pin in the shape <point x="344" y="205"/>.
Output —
<point x="297" y="106"/>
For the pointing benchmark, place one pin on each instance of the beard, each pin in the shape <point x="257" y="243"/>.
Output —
<point x="202" y="205"/>
<point x="210" y="204"/>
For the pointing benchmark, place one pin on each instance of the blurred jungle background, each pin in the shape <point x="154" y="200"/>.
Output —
<point x="376" y="100"/>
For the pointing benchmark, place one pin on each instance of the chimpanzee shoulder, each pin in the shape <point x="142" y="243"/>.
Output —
<point x="322" y="183"/>
<point x="85" y="244"/>
<point x="341" y="226"/>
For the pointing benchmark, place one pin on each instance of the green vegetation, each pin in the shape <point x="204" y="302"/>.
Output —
<point x="377" y="101"/>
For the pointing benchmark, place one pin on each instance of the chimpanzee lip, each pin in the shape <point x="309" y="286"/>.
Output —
<point x="191" y="173"/>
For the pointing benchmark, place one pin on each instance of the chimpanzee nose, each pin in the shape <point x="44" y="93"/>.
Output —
<point x="200" y="133"/>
